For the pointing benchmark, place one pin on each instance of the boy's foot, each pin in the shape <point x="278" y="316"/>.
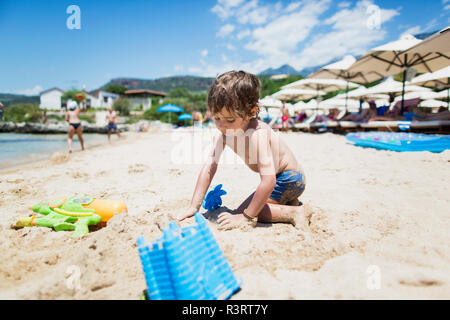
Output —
<point x="294" y="203"/>
<point x="302" y="218"/>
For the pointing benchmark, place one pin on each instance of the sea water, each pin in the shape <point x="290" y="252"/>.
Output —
<point x="17" y="148"/>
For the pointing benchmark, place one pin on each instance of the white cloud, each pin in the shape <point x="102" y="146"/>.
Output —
<point x="178" y="68"/>
<point x="413" y="30"/>
<point x="250" y="12"/>
<point x="253" y="14"/>
<point x="344" y="4"/>
<point x="31" y="92"/>
<point x="287" y="34"/>
<point x="225" y="30"/>
<point x="224" y="8"/>
<point x="277" y="40"/>
<point x="204" y="53"/>
<point x="293" y="6"/>
<point x="230" y="47"/>
<point x="243" y="34"/>
<point x="350" y="34"/>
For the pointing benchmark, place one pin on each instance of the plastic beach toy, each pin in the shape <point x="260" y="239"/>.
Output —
<point x="76" y="213"/>
<point x="213" y="199"/>
<point x="400" y="141"/>
<point x="186" y="264"/>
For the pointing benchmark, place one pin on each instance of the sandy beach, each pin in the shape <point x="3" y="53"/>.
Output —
<point x="379" y="229"/>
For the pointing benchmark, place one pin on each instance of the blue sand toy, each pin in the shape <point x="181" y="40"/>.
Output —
<point x="213" y="199"/>
<point x="186" y="264"/>
<point x="400" y="141"/>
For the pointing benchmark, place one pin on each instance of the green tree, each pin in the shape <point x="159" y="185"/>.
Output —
<point x="71" y="94"/>
<point x="116" y="88"/>
<point x="123" y="106"/>
<point x="26" y="112"/>
<point x="180" y="92"/>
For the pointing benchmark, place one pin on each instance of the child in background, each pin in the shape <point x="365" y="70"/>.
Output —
<point x="233" y="102"/>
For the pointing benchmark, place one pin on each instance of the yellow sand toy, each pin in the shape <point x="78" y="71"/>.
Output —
<point x="76" y="213"/>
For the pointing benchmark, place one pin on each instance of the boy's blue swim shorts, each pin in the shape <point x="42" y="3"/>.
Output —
<point x="289" y="186"/>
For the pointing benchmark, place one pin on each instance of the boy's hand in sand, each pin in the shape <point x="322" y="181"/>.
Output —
<point x="189" y="213"/>
<point x="228" y="221"/>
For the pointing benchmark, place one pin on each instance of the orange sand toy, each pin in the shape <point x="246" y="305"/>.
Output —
<point x="107" y="208"/>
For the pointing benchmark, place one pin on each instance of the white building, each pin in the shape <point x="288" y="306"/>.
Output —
<point x="51" y="99"/>
<point x="105" y="99"/>
<point x="143" y="97"/>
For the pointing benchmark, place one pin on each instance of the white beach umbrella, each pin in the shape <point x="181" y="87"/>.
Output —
<point x="382" y="61"/>
<point x="274" y="112"/>
<point x="325" y="85"/>
<point x="422" y="95"/>
<point x="431" y="103"/>
<point x="431" y="54"/>
<point x="361" y="92"/>
<point x="269" y="101"/>
<point x="336" y="70"/>
<point x="300" y="106"/>
<point x="394" y="87"/>
<point x="312" y="104"/>
<point x="339" y="103"/>
<point x="428" y="55"/>
<point x="439" y="79"/>
<point x="296" y="94"/>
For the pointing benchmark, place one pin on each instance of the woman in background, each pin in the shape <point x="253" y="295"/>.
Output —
<point x="72" y="116"/>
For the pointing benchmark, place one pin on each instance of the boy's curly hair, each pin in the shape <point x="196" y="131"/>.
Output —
<point x="237" y="91"/>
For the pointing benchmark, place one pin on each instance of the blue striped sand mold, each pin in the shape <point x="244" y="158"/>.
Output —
<point x="400" y="141"/>
<point x="186" y="264"/>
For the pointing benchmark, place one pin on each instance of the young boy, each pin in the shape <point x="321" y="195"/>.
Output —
<point x="233" y="101"/>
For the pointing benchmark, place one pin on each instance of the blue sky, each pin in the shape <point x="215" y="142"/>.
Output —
<point x="151" y="39"/>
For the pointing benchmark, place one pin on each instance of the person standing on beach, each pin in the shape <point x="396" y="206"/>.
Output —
<point x="197" y="117"/>
<point x="284" y="117"/>
<point x="111" y="117"/>
<point x="233" y="101"/>
<point x="44" y="117"/>
<point x="72" y="116"/>
<point x="1" y="111"/>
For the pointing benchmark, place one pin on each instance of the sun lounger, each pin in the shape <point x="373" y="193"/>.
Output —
<point x="435" y="125"/>
<point x="305" y="125"/>
<point x="438" y="126"/>
<point x="389" y="125"/>
<point x="348" y="124"/>
<point x="302" y="126"/>
<point x="323" y="125"/>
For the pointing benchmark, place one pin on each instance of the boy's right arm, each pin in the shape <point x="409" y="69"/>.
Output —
<point x="205" y="177"/>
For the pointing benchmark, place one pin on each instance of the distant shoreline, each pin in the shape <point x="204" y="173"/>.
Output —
<point x="36" y="158"/>
<point x="39" y="128"/>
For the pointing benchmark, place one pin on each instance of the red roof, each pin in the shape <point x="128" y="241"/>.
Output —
<point x="145" y="91"/>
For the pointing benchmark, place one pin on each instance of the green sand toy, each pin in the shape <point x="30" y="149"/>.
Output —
<point x="63" y="214"/>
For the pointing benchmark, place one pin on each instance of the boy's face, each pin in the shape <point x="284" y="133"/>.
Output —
<point x="230" y="124"/>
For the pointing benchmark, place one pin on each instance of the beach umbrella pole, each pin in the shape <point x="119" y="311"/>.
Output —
<point x="403" y="91"/>
<point x="346" y="97"/>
